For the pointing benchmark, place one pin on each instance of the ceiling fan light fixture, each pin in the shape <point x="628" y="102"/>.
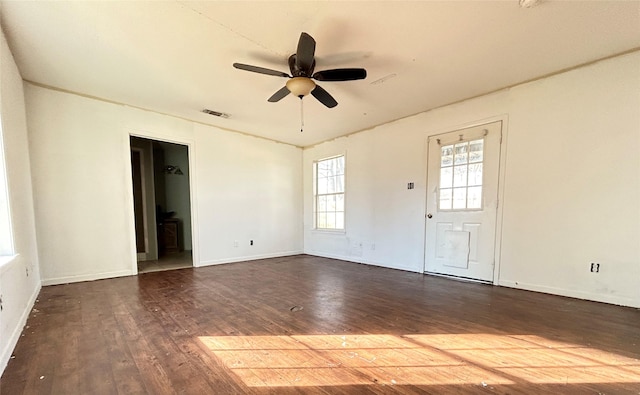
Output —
<point x="300" y="86"/>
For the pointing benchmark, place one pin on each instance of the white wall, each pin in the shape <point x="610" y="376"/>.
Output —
<point x="264" y="204"/>
<point x="242" y="187"/>
<point x="19" y="275"/>
<point x="570" y="191"/>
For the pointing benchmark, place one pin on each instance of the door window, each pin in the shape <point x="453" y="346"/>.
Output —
<point x="461" y="175"/>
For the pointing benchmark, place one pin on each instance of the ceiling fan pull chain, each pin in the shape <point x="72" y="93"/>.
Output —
<point x="301" y="115"/>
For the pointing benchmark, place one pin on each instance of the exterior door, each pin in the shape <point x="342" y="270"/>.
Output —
<point x="462" y="201"/>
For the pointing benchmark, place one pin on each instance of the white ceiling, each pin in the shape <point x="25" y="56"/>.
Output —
<point x="176" y="57"/>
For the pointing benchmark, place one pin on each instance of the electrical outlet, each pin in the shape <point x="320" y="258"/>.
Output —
<point x="251" y="242"/>
<point x="595" y="267"/>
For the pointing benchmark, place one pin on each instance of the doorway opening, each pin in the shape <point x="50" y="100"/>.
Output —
<point x="162" y="204"/>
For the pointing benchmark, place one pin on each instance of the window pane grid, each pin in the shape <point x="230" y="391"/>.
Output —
<point x="329" y="196"/>
<point x="461" y="174"/>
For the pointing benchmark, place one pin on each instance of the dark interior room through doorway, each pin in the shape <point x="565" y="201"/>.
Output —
<point x="162" y="204"/>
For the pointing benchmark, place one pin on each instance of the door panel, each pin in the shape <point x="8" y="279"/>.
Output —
<point x="462" y="187"/>
<point x="138" y="200"/>
<point x="453" y="247"/>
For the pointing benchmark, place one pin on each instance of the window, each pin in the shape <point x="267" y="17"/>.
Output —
<point x="6" y="236"/>
<point x="329" y="193"/>
<point x="461" y="176"/>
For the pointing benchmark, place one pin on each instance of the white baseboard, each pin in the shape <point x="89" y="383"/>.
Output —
<point x="611" y="299"/>
<point x="5" y="356"/>
<point x="247" y="258"/>
<point x="86" y="277"/>
<point x="363" y="261"/>
<point x="124" y="273"/>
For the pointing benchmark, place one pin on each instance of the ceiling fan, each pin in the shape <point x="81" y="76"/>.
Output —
<point x="301" y="65"/>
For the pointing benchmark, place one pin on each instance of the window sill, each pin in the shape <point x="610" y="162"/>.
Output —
<point x="330" y="231"/>
<point x="6" y="261"/>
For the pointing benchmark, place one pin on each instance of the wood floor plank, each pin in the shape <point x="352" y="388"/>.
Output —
<point x="310" y="325"/>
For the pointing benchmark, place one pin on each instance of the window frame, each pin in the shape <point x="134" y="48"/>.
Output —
<point x="316" y="195"/>
<point x="467" y="186"/>
<point x="7" y="244"/>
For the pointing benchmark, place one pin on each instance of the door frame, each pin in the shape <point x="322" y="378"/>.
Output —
<point x="497" y="251"/>
<point x="195" y="245"/>
<point x="145" y="231"/>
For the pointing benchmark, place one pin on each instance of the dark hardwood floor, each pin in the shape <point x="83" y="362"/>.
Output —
<point x="305" y="324"/>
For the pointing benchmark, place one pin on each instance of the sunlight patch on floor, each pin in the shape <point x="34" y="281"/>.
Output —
<point x="321" y="360"/>
<point x="446" y="359"/>
<point x="537" y="360"/>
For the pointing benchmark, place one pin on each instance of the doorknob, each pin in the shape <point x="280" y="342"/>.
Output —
<point x="429" y="216"/>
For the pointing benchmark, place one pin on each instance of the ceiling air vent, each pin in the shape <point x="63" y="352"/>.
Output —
<point x="215" y="113"/>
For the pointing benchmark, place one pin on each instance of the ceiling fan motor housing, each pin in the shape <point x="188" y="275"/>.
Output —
<point x="297" y="71"/>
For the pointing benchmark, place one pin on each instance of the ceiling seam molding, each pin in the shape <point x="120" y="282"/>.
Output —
<point x="54" y="88"/>
<point x="565" y="70"/>
<point x="229" y="29"/>
<point x="561" y="71"/>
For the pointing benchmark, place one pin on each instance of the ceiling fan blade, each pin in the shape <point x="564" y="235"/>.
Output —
<point x="304" y="53"/>
<point x="261" y="70"/>
<point x="324" y="97"/>
<point x="279" y="95"/>
<point x="340" y="75"/>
